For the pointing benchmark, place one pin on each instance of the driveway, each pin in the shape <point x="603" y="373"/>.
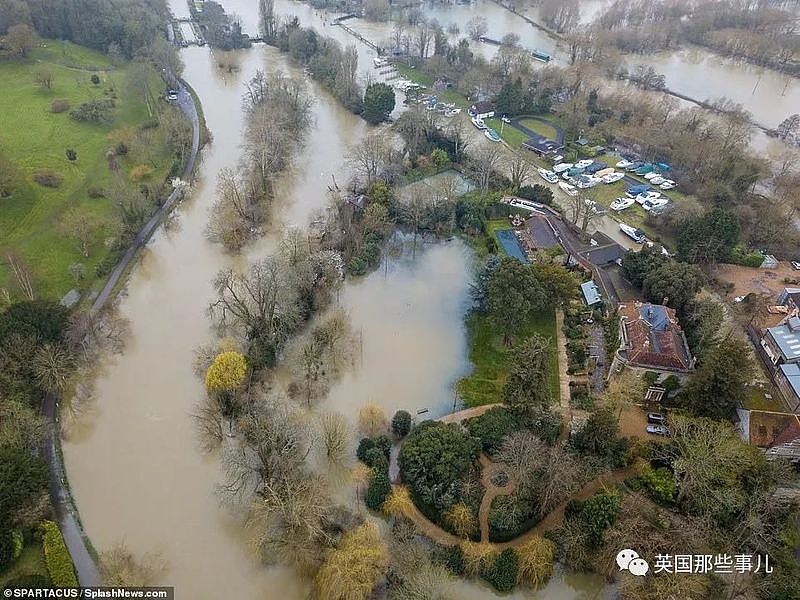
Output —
<point x="515" y="122"/>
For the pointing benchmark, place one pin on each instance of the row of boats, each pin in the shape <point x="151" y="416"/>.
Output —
<point x="490" y="133"/>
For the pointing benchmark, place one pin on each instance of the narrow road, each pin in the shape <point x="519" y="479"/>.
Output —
<point x="60" y="497"/>
<point x="186" y="104"/>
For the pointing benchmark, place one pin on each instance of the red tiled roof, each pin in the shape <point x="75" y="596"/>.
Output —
<point x="656" y="342"/>
<point x="769" y="429"/>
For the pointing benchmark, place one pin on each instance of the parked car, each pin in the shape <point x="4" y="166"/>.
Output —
<point x="613" y="177"/>
<point x="796" y="265"/>
<point x="505" y="119"/>
<point x="548" y="176"/>
<point x="621" y="204"/>
<point x="655" y="418"/>
<point x="658" y="430"/>
<point x="172" y="95"/>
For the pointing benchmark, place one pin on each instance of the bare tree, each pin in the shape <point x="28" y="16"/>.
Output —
<point x="369" y="158"/>
<point x="477" y="27"/>
<point x="483" y="163"/>
<point x="119" y="567"/>
<point x="335" y="433"/>
<point x="519" y="170"/>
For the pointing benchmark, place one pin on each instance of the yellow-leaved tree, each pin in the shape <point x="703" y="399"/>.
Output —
<point x="535" y="561"/>
<point x="227" y="372"/>
<point x="352" y="570"/>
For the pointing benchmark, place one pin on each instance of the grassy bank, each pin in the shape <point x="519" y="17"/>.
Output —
<point x="491" y="359"/>
<point x="30" y="562"/>
<point x="35" y="140"/>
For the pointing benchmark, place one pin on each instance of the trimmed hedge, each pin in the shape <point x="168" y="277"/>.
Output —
<point x="56" y="555"/>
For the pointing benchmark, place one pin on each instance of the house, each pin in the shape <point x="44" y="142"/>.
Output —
<point x="790" y="298"/>
<point x="777" y="433"/>
<point x="482" y="110"/>
<point x="787" y="378"/>
<point x="591" y="293"/>
<point x="651" y="338"/>
<point x="542" y="146"/>
<point x="782" y="342"/>
<point x="603" y="251"/>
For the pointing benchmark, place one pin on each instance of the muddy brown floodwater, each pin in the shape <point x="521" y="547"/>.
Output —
<point x="133" y="461"/>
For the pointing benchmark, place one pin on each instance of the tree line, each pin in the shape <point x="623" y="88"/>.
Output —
<point x="113" y="26"/>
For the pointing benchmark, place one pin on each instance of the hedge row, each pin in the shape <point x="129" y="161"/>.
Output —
<point x="57" y="558"/>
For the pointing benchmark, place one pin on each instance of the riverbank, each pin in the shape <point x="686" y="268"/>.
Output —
<point x="79" y="546"/>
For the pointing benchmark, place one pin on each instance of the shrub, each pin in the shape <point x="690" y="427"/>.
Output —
<point x="502" y="574"/>
<point x="23" y="582"/>
<point x="140" y="172"/>
<point x="598" y="513"/>
<point x="71" y="154"/>
<point x="96" y="192"/>
<point x="401" y="423"/>
<point x="96" y="111"/>
<point x="660" y="484"/>
<point x="121" y="149"/>
<point x="95" y="79"/>
<point x="382" y="442"/>
<point x="59" y="106"/>
<point x="546" y="425"/>
<point x="379" y="489"/>
<point x="579" y="397"/>
<point x="6" y="548"/>
<point x="375" y="458"/>
<point x="59" y="563"/>
<point x="535" y="561"/>
<point x="491" y="427"/>
<point x="47" y="178"/>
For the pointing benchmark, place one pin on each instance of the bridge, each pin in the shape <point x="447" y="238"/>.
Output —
<point x="340" y="22"/>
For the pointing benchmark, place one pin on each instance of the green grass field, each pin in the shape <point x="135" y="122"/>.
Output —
<point x="512" y="137"/>
<point x="30" y="562"/>
<point x="491" y="359"/>
<point x="537" y="126"/>
<point x="36" y="139"/>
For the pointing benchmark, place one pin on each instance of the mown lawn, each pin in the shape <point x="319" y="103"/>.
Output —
<point x="36" y="139"/>
<point x="30" y="562"/>
<point x="491" y="359"/>
<point x="423" y="79"/>
<point x="511" y="136"/>
<point x="544" y="129"/>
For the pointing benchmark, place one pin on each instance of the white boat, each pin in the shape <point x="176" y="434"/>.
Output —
<point x="561" y="167"/>
<point x="613" y="177"/>
<point x="635" y="234"/>
<point x="657" y="180"/>
<point x="667" y="185"/>
<point x="584" y="163"/>
<point x="548" y="176"/>
<point x="624" y="164"/>
<point x="650" y="175"/>
<point x="567" y="188"/>
<point x="379" y="62"/>
<point x="651" y="195"/>
<point x="654" y="203"/>
<point x="492" y="135"/>
<point x="585" y="182"/>
<point x="622" y="203"/>
<point x="478" y="123"/>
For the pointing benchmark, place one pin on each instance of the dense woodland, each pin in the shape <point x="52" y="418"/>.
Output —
<point x="115" y="26"/>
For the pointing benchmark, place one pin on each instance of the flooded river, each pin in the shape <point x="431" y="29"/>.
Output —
<point x="133" y="461"/>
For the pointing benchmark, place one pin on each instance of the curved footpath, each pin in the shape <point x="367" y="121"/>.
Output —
<point x="60" y="497"/>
